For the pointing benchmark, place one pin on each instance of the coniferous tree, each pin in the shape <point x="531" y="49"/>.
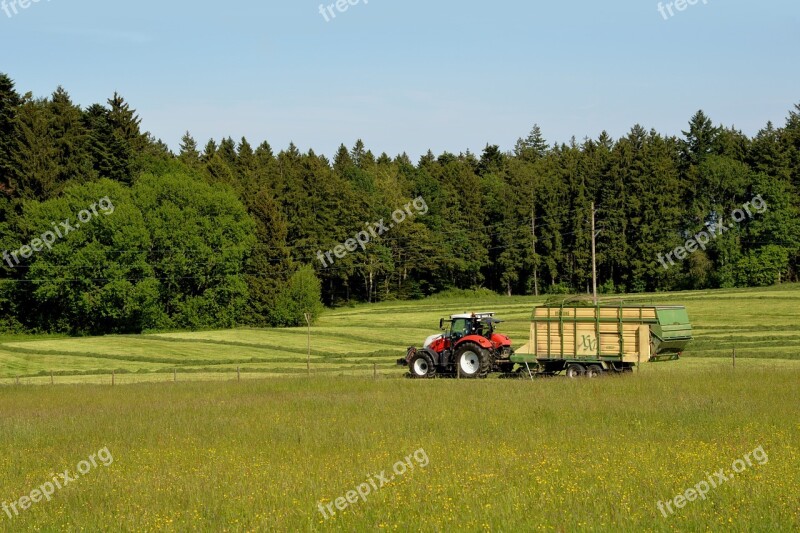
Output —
<point x="36" y="170"/>
<point x="9" y="103"/>
<point x="533" y="147"/>
<point x="111" y="156"/>
<point x="189" y="154"/>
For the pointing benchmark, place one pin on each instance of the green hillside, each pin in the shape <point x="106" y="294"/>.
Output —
<point x="759" y="323"/>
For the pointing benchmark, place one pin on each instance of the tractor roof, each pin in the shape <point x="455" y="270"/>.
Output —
<point x="473" y="315"/>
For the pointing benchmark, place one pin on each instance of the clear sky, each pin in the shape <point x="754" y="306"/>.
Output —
<point x="411" y="75"/>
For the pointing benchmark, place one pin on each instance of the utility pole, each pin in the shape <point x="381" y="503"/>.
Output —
<point x="594" y="261"/>
<point x="535" y="260"/>
<point x="308" y="357"/>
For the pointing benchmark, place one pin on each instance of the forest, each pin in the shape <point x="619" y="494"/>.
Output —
<point x="104" y="229"/>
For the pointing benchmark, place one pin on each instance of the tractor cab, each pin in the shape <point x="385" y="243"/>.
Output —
<point x="459" y="326"/>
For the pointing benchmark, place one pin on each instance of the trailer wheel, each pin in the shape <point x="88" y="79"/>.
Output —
<point x="421" y="366"/>
<point x="594" y="371"/>
<point x="472" y="361"/>
<point x="575" y="371"/>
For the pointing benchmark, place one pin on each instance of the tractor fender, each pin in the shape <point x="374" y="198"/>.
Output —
<point x="483" y="342"/>
<point x="501" y="340"/>
<point x="433" y="355"/>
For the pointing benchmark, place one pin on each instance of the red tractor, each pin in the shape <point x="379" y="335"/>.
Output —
<point x="468" y="348"/>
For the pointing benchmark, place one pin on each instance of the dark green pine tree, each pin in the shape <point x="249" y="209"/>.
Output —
<point x="662" y="216"/>
<point x="9" y="104"/>
<point x="247" y="167"/>
<point x="269" y="266"/>
<point x="465" y="251"/>
<point x="35" y="156"/>
<point x="209" y="151"/>
<point x="111" y="154"/>
<point x="129" y="141"/>
<point x="769" y="155"/>
<point x="533" y="147"/>
<point x="357" y="153"/>
<point x="72" y="139"/>
<point x="580" y="223"/>
<point x="612" y="245"/>
<point x="342" y="161"/>
<point x="227" y="151"/>
<point x="189" y="155"/>
<point x="220" y="163"/>
<point x="492" y="160"/>
<point x="552" y="203"/>
<point x="701" y="140"/>
<point x="790" y="137"/>
<point x="268" y="173"/>
<point x="125" y="122"/>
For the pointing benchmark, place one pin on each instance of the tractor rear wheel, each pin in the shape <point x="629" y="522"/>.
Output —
<point x="472" y="361"/>
<point x="421" y="366"/>
<point x="575" y="371"/>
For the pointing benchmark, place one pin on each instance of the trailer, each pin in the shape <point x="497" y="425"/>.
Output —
<point x="588" y="339"/>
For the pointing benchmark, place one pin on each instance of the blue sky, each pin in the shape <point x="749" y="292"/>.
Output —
<point x="412" y="75"/>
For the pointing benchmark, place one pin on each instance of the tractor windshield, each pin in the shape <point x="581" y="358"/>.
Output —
<point x="460" y="327"/>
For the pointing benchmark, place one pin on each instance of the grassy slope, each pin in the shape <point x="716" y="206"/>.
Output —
<point x="759" y="323"/>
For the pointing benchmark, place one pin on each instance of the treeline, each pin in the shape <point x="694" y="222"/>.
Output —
<point x="229" y="233"/>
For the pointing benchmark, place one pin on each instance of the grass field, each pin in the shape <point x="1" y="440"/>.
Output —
<point x="502" y="455"/>
<point x="209" y="453"/>
<point x="356" y="341"/>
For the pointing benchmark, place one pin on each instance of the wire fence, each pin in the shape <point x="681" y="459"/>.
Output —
<point x="374" y="371"/>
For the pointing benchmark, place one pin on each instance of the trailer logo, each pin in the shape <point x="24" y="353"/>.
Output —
<point x="589" y="343"/>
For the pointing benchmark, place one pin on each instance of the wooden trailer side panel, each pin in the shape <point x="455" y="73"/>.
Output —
<point x="590" y="332"/>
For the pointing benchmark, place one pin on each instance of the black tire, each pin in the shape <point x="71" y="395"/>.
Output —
<point x="594" y="371"/>
<point x="575" y="370"/>
<point x="421" y="366"/>
<point x="472" y="361"/>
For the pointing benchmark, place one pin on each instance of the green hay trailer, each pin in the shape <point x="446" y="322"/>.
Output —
<point x="590" y="339"/>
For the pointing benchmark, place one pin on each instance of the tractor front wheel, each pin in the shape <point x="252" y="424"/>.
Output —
<point x="421" y="366"/>
<point x="472" y="361"/>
